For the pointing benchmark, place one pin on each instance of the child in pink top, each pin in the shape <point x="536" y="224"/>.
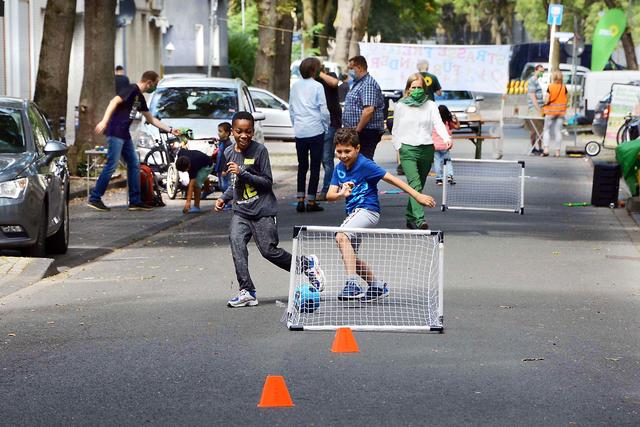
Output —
<point x="442" y="149"/>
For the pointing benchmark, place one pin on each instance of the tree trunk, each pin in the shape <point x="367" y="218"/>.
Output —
<point x="325" y="15"/>
<point x="53" y="67"/>
<point x="264" y="71"/>
<point x="283" y="47"/>
<point x="308" y="21"/>
<point x="343" y="27"/>
<point x="360" y="17"/>
<point x="98" y="84"/>
<point x="629" y="50"/>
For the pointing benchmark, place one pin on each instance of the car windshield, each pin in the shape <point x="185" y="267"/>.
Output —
<point x="454" y="95"/>
<point x="11" y="131"/>
<point x="194" y="103"/>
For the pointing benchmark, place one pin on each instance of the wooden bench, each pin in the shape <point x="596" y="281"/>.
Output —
<point x="476" y="139"/>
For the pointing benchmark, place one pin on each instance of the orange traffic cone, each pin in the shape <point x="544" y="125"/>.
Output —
<point x="275" y="393"/>
<point x="344" y="342"/>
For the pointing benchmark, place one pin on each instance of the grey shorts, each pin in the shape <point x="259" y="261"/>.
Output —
<point x="359" y="218"/>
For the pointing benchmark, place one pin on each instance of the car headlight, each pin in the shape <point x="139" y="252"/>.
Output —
<point x="472" y="109"/>
<point x="13" y="189"/>
<point x="145" y="140"/>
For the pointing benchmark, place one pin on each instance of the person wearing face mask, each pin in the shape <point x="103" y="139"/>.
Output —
<point x="415" y="119"/>
<point x="534" y="100"/>
<point x="364" y="107"/>
<point x="121" y="111"/>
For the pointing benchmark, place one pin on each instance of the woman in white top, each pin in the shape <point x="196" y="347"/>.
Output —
<point x="310" y="120"/>
<point x="415" y="118"/>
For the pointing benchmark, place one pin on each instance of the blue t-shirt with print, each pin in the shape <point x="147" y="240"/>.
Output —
<point x="364" y="174"/>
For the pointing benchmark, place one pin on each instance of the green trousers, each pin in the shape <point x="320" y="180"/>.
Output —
<point x="416" y="163"/>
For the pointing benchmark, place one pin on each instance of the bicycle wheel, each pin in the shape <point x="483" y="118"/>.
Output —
<point x="592" y="148"/>
<point x="173" y="181"/>
<point x="623" y="134"/>
<point x="156" y="159"/>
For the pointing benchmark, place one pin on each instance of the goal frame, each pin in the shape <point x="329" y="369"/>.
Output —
<point x="445" y="185"/>
<point x="379" y="328"/>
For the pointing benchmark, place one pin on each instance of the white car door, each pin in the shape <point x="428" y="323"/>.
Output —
<point x="278" y="122"/>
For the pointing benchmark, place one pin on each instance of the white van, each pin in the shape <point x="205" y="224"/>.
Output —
<point x="598" y="85"/>
<point x="566" y="69"/>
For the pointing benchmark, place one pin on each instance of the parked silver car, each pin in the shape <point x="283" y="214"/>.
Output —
<point x="34" y="182"/>
<point x="277" y="123"/>
<point x="199" y="104"/>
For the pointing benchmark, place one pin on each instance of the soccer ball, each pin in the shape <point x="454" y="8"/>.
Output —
<point x="306" y="298"/>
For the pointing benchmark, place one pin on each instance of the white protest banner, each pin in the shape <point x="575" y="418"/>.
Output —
<point x="625" y="100"/>
<point x="473" y="68"/>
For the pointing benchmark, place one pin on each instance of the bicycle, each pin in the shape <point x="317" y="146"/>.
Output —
<point x="627" y="132"/>
<point x="161" y="159"/>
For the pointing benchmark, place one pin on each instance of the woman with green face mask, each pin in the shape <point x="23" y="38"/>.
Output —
<point x="415" y="118"/>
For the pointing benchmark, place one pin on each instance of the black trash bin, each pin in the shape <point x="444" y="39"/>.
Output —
<point x="606" y="183"/>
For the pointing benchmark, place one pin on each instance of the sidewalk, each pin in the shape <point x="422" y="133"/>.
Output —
<point x="94" y="233"/>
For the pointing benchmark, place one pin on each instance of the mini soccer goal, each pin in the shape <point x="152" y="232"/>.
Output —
<point x="488" y="185"/>
<point x="403" y="287"/>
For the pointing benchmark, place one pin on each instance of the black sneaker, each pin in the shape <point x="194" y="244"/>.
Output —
<point x="139" y="207"/>
<point x="411" y="225"/>
<point x="98" y="205"/>
<point x="300" y="207"/>
<point x="399" y="170"/>
<point x="314" y="207"/>
<point x="451" y="181"/>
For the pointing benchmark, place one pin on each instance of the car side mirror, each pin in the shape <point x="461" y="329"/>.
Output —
<point x="479" y="98"/>
<point x="54" y="149"/>
<point x="258" y="115"/>
<point x="284" y="107"/>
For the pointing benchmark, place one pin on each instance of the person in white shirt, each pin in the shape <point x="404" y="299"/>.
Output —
<point x="415" y="118"/>
<point x="310" y="119"/>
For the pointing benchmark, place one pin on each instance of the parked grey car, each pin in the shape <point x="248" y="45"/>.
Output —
<point x="34" y="182"/>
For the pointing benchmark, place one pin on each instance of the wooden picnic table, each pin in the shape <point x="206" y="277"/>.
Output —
<point x="475" y="137"/>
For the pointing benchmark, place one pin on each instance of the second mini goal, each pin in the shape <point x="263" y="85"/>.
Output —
<point x="403" y="267"/>
<point x="489" y="185"/>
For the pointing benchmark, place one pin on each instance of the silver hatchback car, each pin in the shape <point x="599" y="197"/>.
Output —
<point x="34" y="182"/>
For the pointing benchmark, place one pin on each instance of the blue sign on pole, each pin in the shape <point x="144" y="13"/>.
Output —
<point x="554" y="16"/>
<point x="296" y="37"/>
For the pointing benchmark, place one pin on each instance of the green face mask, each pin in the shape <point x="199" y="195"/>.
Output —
<point x="418" y="94"/>
<point x="151" y="89"/>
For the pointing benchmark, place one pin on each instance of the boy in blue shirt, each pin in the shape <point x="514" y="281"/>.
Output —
<point x="355" y="179"/>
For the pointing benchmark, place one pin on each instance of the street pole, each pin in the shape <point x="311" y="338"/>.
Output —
<point x="243" y="20"/>
<point x="214" y="39"/>
<point x="574" y="52"/>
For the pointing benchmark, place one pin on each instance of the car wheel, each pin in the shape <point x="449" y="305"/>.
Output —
<point x="59" y="242"/>
<point x="39" y="248"/>
<point x="173" y="181"/>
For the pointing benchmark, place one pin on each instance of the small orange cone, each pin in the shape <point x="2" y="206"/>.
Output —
<point x="344" y="342"/>
<point x="275" y="393"/>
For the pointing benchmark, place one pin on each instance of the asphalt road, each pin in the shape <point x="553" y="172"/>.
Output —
<point x="142" y="335"/>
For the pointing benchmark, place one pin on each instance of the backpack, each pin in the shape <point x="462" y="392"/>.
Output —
<point x="149" y="189"/>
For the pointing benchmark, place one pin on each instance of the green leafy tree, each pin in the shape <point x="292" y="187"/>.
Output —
<point x="477" y="19"/>
<point x="402" y="20"/>
<point x="242" y="45"/>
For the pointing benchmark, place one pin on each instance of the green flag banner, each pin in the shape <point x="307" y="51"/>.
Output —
<point x="606" y="37"/>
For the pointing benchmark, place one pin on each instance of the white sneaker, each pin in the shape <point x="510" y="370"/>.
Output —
<point x="311" y="268"/>
<point x="243" y="299"/>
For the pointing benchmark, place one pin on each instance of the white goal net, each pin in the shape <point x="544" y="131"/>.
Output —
<point x="491" y="185"/>
<point x="403" y="287"/>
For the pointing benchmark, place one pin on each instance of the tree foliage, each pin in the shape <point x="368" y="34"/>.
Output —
<point x="406" y="21"/>
<point x="243" y="45"/>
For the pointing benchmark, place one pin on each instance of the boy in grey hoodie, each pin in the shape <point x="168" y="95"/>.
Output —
<point x="254" y="211"/>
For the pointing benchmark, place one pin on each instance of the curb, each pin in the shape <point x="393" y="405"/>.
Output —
<point x="30" y="272"/>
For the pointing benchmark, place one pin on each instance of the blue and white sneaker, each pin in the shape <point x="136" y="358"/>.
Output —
<point x="311" y="268"/>
<point x="350" y="292"/>
<point x="243" y="299"/>
<point x="375" y="293"/>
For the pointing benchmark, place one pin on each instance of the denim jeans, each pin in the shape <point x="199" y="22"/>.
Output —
<point x="125" y="148"/>
<point x="438" y="159"/>
<point x="309" y="148"/>
<point x="328" y="156"/>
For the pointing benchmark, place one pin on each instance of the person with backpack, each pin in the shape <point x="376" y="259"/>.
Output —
<point x="554" y="109"/>
<point x="199" y="166"/>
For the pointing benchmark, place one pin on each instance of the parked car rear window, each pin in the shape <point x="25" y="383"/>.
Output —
<point x="453" y="95"/>
<point x="11" y="131"/>
<point x="194" y="103"/>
